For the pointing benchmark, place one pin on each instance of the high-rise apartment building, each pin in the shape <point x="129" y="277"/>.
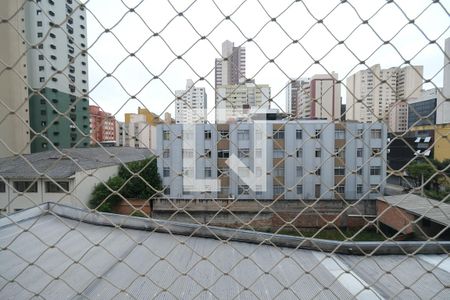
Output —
<point x="191" y="104"/>
<point x="398" y="117"/>
<point x="103" y="125"/>
<point x="14" y="116"/>
<point x="235" y="102"/>
<point x="136" y="133"/>
<point x="304" y="159"/>
<point x="319" y="97"/>
<point x="57" y="74"/>
<point x="292" y="92"/>
<point x="230" y="68"/>
<point x="370" y="93"/>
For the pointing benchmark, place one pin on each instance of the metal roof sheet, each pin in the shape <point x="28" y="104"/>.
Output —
<point x="434" y="210"/>
<point x="56" y="257"/>
<point x="64" y="163"/>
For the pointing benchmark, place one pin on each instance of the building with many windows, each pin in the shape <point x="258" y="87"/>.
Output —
<point x="191" y="104"/>
<point x="57" y="74"/>
<point x="103" y="125"/>
<point x="371" y="92"/>
<point x="301" y="159"/>
<point x="234" y="102"/>
<point x="429" y="109"/>
<point x="230" y="68"/>
<point x="319" y="97"/>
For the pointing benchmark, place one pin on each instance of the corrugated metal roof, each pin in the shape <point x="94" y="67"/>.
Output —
<point x="62" y="165"/>
<point x="434" y="210"/>
<point x="56" y="257"/>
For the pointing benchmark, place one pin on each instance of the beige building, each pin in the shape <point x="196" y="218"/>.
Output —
<point x="14" y="117"/>
<point x="398" y="117"/>
<point x="319" y="97"/>
<point x="370" y="93"/>
<point x="236" y="101"/>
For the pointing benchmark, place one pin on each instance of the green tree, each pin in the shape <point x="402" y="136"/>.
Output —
<point x="140" y="180"/>
<point x="104" y="198"/>
<point x="145" y="179"/>
<point x="422" y="170"/>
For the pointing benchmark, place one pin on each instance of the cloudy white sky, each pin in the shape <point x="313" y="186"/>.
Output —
<point x="133" y="32"/>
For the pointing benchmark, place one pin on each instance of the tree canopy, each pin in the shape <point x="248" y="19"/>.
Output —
<point x="139" y="179"/>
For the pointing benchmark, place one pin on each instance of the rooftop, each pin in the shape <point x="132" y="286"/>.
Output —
<point x="431" y="209"/>
<point x="64" y="163"/>
<point x="56" y="251"/>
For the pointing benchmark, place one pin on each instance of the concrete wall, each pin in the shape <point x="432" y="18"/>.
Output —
<point x="265" y="214"/>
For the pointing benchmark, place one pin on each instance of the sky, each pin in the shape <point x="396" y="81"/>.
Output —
<point x="131" y="66"/>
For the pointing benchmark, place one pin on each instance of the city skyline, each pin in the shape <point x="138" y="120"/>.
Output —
<point x="294" y="61"/>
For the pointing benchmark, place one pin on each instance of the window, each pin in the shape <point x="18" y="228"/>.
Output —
<point x="188" y="153"/>
<point x="208" y="172"/>
<point x="243" y="189"/>
<point x="39" y="34"/>
<point x="166" y="135"/>
<point x="299" y="189"/>
<point x="278" y="189"/>
<point x="359" y="188"/>
<point x="317" y="134"/>
<point x="243" y="152"/>
<point x="2" y="186"/>
<point x="224" y="134"/>
<point x="298" y="134"/>
<point x="51" y="13"/>
<point x="340" y="189"/>
<point x="224" y="171"/>
<point x="359" y="133"/>
<point x="223" y="153"/>
<point x="41" y="79"/>
<point x="38" y="12"/>
<point x="299" y="153"/>
<point x="339" y="134"/>
<point x="375" y="133"/>
<point x="376" y="151"/>
<point x="339" y="171"/>
<point x="166" y="172"/>
<point x="166" y="153"/>
<point x="299" y="171"/>
<point x="41" y="68"/>
<point x="243" y="135"/>
<point x="53" y="47"/>
<point x="41" y="57"/>
<point x="359" y="170"/>
<point x="39" y="23"/>
<point x="59" y="187"/>
<point x="25" y="186"/>
<point x="278" y="172"/>
<point x="375" y="170"/>
<point x="167" y="190"/>
<point x="359" y="152"/>
<point x="318" y="153"/>
<point x="207" y="134"/>
<point x="207" y="153"/>
<point x="318" y="172"/>
<point x="317" y="190"/>
<point x="43" y="112"/>
<point x="278" y="153"/>
<point x="278" y="135"/>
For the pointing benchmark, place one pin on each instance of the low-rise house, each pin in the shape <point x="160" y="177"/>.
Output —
<point x="67" y="176"/>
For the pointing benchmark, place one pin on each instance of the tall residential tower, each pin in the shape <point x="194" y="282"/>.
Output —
<point x="191" y="104"/>
<point x="230" y="68"/>
<point x="57" y="74"/>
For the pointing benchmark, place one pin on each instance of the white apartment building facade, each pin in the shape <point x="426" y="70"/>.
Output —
<point x="398" y="117"/>
<point x="230" y="68"/>
<point x="237" y="101"/>
<point x="57" y="73"/>
<point x="14" y="127"/>
<point x="319" y="97"/>
<point x="136" y="133"/>
<point x="370" y="93"/>
<point x="305" y="159"/>
<point x="191" y="104"/>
